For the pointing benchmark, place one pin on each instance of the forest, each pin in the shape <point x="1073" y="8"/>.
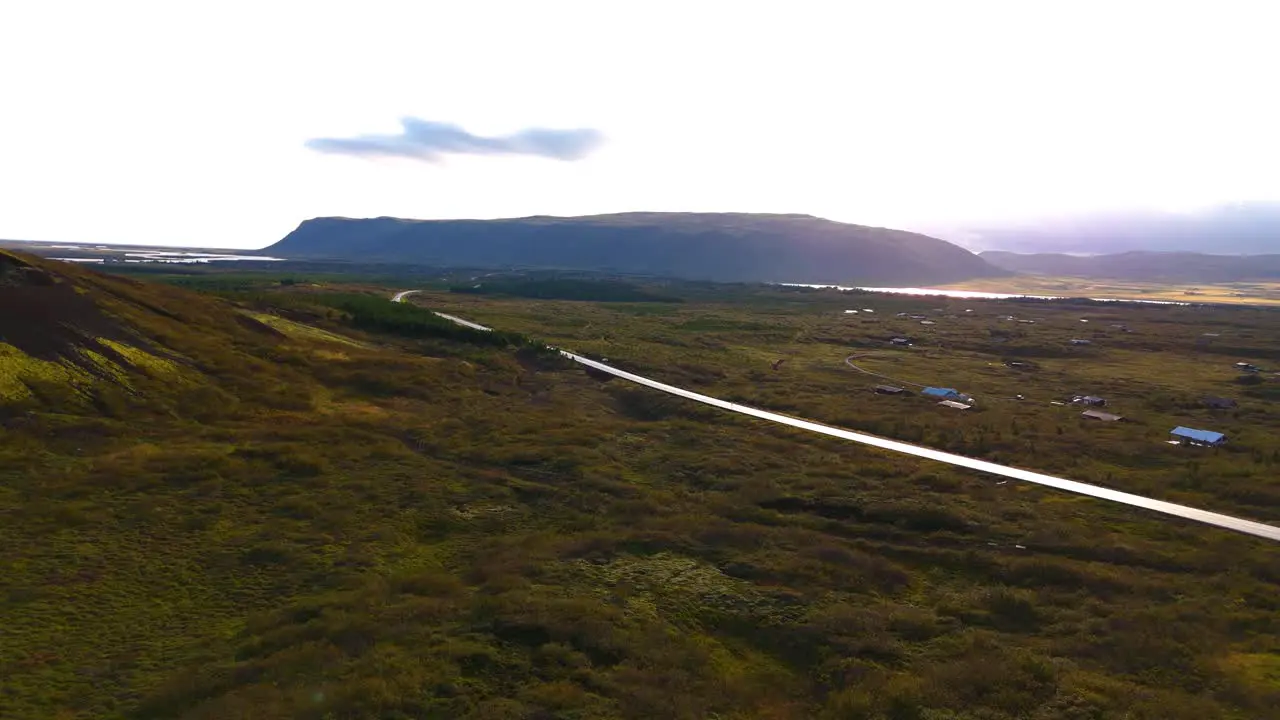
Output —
<point x="332" y="506"/>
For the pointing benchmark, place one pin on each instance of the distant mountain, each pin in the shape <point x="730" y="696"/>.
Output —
<point x="731" y="247"/>
<point x="1242" y="228"/>
<point x="1154" y="266"/>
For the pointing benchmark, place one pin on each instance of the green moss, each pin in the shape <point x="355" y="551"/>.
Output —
<point x="154" y="365"/>
<point x="18" y="370"/>
<point x="301" y="331"/>
<point x="1260" y="669"/>
<point x="110" y="369"/>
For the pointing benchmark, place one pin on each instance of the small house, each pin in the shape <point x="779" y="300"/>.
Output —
<point x="1078" y="341"/>
<point x="1099" y="415"/>
<point x="1091" y="400"/>
<point x="1247" y="367"/>
<point x="1220" y="403"/>
<point x="900" y="341"/>
<point x="889" y="390"/>
<point x="944" y="392"/>
<point x="1018" y="364"/>
<point x="1191" y="436"/>
<point x="954" y="404"/>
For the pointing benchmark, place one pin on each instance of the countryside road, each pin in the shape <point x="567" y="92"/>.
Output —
<point x="849" y="361"/>
<point x="1248" y="527"/>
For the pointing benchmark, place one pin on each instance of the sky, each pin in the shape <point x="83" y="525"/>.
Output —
<point x="225" y="124"/>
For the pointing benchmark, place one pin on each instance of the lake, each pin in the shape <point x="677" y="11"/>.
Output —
<point x="976" y="294"/>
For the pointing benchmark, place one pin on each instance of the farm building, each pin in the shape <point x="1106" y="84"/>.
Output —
<point x="1191" y="436"/>
<point x="954" y="404"/>
<point x="1099" y="415"/>
<point x="1220" y="403"/>
<point x="1091" y="400"/>
<point x="889" y="390"/>
<point x="946" y="394"/>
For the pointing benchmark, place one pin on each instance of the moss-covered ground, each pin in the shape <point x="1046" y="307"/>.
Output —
<point x="421" y="524"/>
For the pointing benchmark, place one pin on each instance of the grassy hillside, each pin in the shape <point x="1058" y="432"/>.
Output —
<point x="367" y="518"/>
<point x="706" y="246"/>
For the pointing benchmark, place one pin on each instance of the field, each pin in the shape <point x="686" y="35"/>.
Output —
<point x="381" y="516"/>
<point x="1249" y="292"/>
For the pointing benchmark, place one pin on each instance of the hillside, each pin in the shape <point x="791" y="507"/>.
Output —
<point x="288" y="497"/>
<point x="76" y="340"/>
<point x="729" y="247"/>
<point x="1144" y="266"/>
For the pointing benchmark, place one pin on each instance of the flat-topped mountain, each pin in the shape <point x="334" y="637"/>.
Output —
<point x="729" y="247"/>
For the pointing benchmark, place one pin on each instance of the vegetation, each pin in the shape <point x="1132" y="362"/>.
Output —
<point x="566" y="289"/>
<point x="334" y="517"/>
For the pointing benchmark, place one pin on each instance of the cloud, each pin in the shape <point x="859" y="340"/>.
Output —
<point x="431" y="141"/>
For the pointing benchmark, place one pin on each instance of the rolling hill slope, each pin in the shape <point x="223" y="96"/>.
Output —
<point x="79" y="340"/>
<point x="730" y="247"/>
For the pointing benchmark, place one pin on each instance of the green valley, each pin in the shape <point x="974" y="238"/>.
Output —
<point x="269" y="494"/>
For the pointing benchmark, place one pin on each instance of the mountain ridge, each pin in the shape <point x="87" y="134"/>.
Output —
<point x="1142" y="265"/>
<point x="725" y="247"/>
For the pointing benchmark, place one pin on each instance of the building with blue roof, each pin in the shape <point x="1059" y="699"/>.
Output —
<point x="943" y="393"/>
<point x="1191" y="436"/>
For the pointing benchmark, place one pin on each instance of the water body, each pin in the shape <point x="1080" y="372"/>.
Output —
<point x="182" y="258"/>
<point x="978" y="295"/>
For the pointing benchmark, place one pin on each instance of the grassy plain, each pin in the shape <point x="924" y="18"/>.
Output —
<point x="1246" y="292"/>
<point x="413" y="523"/>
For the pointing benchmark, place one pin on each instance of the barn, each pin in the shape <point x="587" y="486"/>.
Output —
<point x="1191" y="436"/>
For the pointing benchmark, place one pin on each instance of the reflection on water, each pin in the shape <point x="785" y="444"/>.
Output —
<point x="975" y="294"/>
<point x="183" y="258"/>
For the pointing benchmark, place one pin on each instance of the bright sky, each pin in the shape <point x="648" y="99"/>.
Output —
<point x="187" y="122"/>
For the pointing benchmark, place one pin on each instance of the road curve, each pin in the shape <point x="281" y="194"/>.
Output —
<point x="1248" y="527"/>
<point x="849" y="361"/>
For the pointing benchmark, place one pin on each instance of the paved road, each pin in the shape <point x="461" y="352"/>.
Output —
<point x="849" y="361"/>
<point x="1249" y="527"/>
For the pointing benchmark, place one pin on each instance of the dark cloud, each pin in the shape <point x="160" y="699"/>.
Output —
<point x="430" y="141"/>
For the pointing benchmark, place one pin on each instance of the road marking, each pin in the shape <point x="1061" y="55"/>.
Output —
<point x="1248" y="527"/>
